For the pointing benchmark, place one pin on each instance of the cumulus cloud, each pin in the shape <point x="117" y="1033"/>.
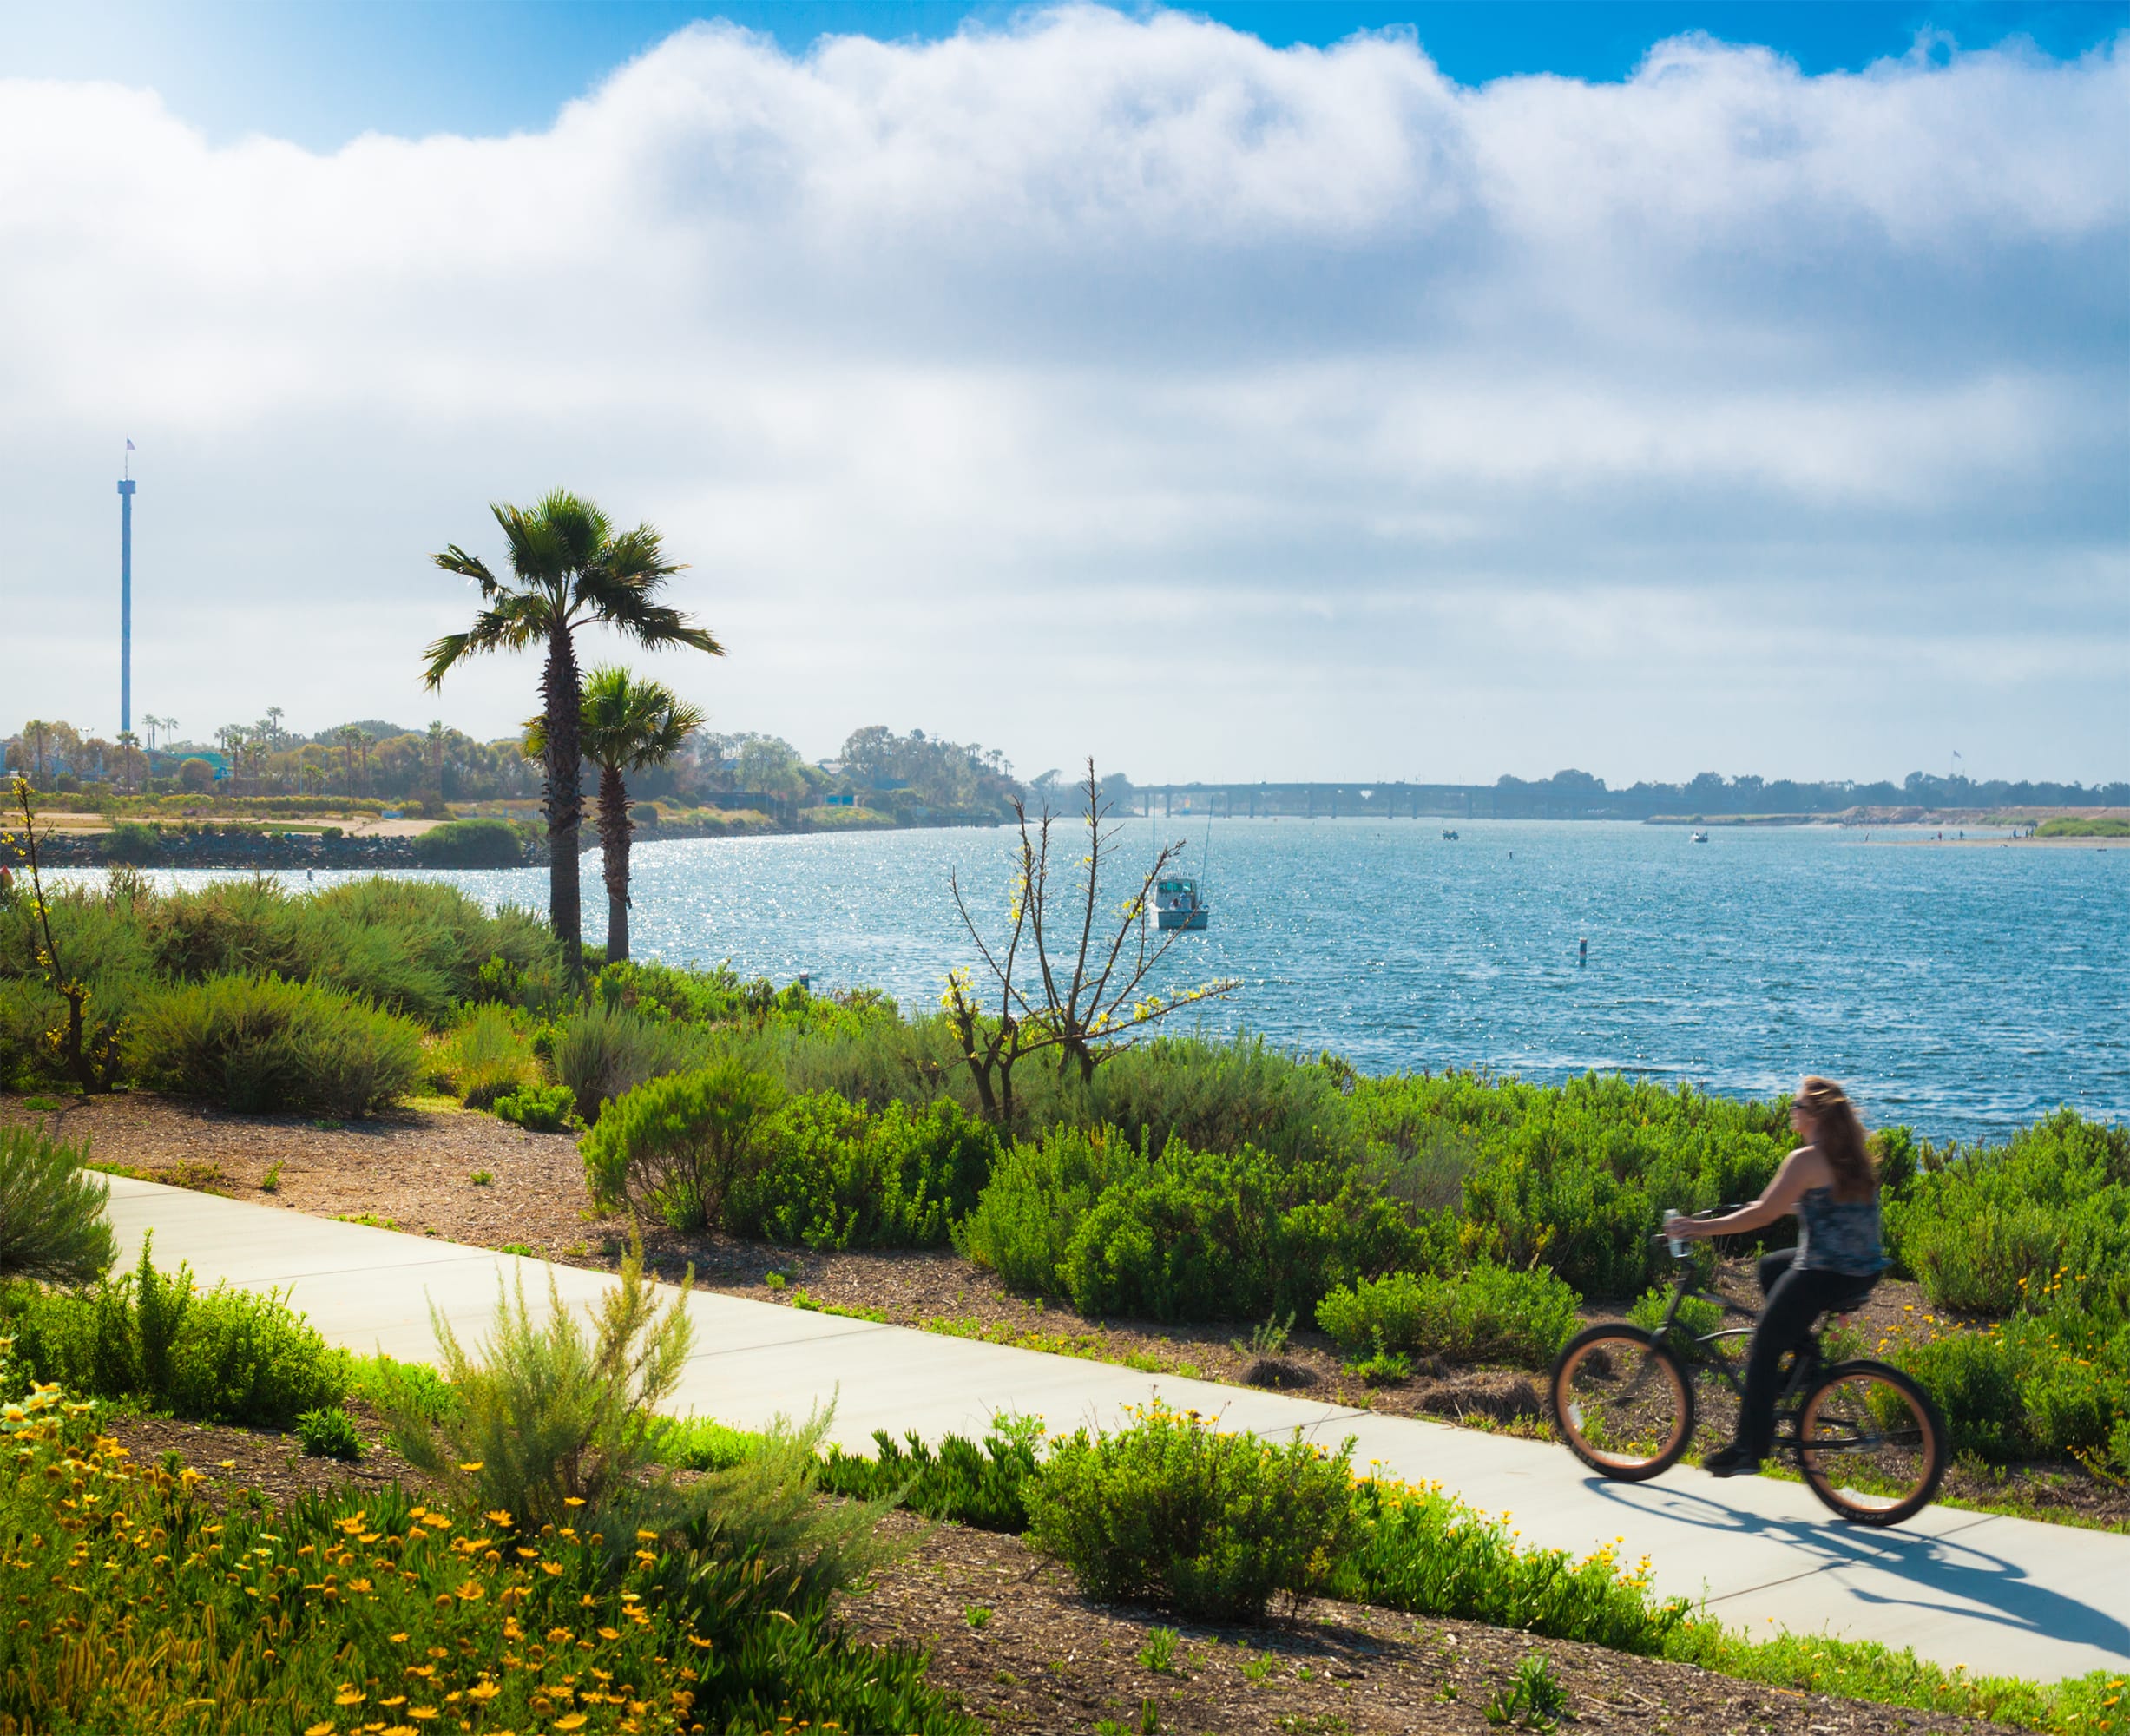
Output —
<point x="1126" y="383"/>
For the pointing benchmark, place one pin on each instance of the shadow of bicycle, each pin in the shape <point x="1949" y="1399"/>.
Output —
<point x="1949" y="1575"/>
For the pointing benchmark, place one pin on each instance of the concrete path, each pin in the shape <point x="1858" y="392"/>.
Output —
<point x="1997" y="1595"/>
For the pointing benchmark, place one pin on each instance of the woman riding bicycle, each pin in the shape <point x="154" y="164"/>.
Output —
<point x="1831" y="1183"/>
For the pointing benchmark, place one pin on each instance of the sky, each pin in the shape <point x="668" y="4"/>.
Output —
<point x="1276" y="392"/>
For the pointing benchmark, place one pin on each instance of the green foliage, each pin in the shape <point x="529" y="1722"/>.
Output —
<point x="259" y="1043"/>
<point x="699" y="1443"/>
<point x="986" y="1486"/>
<point x="470" y="843"/>
<point x="130" y="841"/>
<point x="1489" y="1313"/>
<point x="609" y="1049"/>
<point x="329" y="1433"/>
<point x="218" y="1356"/>
<point x="1087" y="1216"/>
<point x="550" y="1417"/>
<point x="52" y="1227"/>
<point x="687" y="1146"/>
<point x="837" y="1175"/>
<point x="256" y="1622"/>
<point x="1533" y="1699"/>
<point x="2055" y="1384"/>
<point x="1420" y="1551"/>
<point x="1173" y="1512"/>
<point x="489" y="1055"/>
<point x="1991" y="1228"/>
<point x="1696" y="1316"/>
<point x="539" y="1108"/>
<point x="1223" y="1097"/>
<point x="1382" y="1367"/>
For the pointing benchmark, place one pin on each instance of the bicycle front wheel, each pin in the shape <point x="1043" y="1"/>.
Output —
<point x="1872" y="1442"/>
<point x="1622" y="1403"/>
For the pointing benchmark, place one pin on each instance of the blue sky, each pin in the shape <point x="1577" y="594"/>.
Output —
<point x="322" y="72"/>
<point x="1649" y="389"/>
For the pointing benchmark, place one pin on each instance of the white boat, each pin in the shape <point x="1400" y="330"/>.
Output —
<point x="1698" y="838"/>
<point x="1176" y="905"/>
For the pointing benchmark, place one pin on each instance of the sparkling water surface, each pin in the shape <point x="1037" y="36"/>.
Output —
<point x="1962" y="989"/>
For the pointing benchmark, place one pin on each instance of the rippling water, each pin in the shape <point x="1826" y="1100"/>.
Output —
<point x="1960" y="989"/>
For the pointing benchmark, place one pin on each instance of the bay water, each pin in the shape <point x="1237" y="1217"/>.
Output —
<point x="1963" y="988"/>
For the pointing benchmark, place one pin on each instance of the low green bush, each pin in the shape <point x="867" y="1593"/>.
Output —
<point x="835" y="1175"/>
<point x="215" y="1356"/>
<point x="131" y="842"/>
<point x="329" y="1433"/>
<point x="1173" y="1511"/>
<point x="685" y="1146"/>
<point x="984" y="1485"/>
<point x="1087" y="1216"/>
<point x="1488" y="1313"/>
<point x="2030" y="1387"/>
<point x="539" y="1108"/>
<point x="52" y="1226"/>
<point x="259" y="1043"/>
<point x="489" y="1055"/>
<point x="606" y="1050"/>
<point x="470" y="843"/>
<point x="2016" y="1226"/>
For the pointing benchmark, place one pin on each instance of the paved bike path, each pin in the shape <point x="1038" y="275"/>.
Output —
<point x="1998" y="1596"/>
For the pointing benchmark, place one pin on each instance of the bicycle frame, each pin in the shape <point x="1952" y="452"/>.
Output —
<point x="1696" y="1351"/>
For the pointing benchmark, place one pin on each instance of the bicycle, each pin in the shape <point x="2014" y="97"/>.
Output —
<point x="1869" y="1442"/>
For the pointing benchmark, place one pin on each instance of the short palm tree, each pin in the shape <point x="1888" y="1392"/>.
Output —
<point x="569" y="568"/>
<point x="624" y="725"/>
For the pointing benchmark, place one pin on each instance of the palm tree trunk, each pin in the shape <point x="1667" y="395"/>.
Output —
<point x="614" y="827"/>
<point x="562" y="692"/>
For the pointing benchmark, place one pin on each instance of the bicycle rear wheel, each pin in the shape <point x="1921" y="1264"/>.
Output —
<point x="1872" y="1442"/>
<point x="1622" y="1403"/>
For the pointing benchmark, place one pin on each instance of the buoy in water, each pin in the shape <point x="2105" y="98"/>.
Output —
<point x="1582" y="951"/>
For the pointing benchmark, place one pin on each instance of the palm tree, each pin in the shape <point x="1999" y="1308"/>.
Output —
<point x="34" y="732"/>
<point x="346" y="735"/>
<point x="623" y="725"/>
<point x="569" y="568"/>
<point x="437" y="736"/>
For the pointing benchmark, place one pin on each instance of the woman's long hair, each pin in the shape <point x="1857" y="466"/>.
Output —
<point x="1837" y="1133"/>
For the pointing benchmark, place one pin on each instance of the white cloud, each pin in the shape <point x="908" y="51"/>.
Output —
<point x="1125" y="384"/>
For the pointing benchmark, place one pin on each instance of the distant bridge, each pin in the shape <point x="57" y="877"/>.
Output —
<point x="1396" y="800"/>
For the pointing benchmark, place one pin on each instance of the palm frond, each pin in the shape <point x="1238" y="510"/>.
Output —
<point x="457" y="560"/>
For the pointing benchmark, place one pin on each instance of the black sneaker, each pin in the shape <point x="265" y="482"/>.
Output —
<point x="1731" y="1461"/>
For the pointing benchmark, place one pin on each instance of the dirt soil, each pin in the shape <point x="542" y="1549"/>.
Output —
<point x="1044" y="1658"/>
<point x="1019" y="1648"/>
<point x="414" y="1170"/>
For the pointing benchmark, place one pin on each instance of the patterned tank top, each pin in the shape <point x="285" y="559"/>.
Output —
<point x="1839" y="1235"/>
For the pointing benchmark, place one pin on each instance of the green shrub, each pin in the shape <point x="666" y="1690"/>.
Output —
<point x="836" y="1175"/>
<point x="2051" y="1385"/>
<point x="985" y="1486"/>
<point x="470" y="843"/>
<point x="1487" y="1314"/>
<point x="1697" y="1317"/>
<point x="686" y="1145"/>
<point x="259" y="1043"/>
<point x="549" y="1417"/>
<point x="1038" y="1193"/>
<point x="606" y="1050"/>
<point x="1425" y="1552"/>
<point x="1221" y="1097"/>
<point x="51" y="1211"/>
<point x="489" y="1055"/>
<point x="2015" y="1227"/>
<point x="217" y="1356"/>
<point x="538" y="1109"/>
<point x="130" y="841"/>
<point x="1175" y="1513"/>
<point x="329" y="1433"/>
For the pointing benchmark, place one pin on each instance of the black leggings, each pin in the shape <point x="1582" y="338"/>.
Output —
<point x="1795" y="1299"/>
